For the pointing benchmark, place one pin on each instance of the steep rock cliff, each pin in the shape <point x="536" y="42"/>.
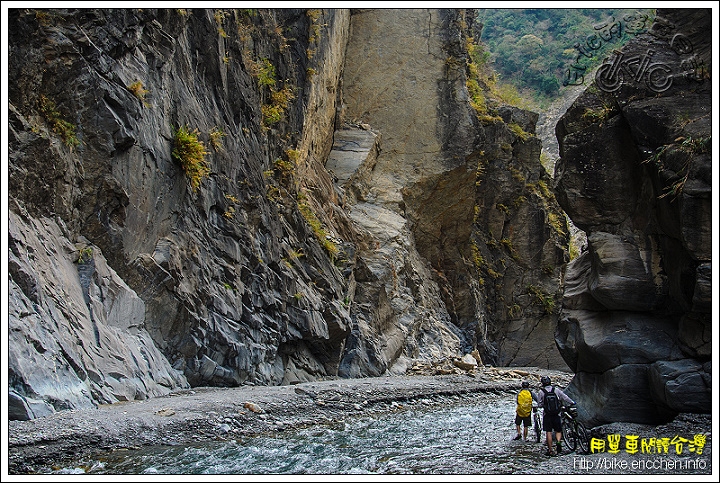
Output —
<point x="345" y="226"/>
<point x="635" y="175"/>
<point x="233" y="282"/>
<point x="470" y="195"/>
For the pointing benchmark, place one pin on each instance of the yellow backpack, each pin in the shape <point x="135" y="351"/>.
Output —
<point x="524" y="400"/>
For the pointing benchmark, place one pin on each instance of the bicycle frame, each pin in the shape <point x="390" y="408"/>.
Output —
<point x="611" y="75"/>
<point x="574" y="432"/>
<point x="537" y="423"/>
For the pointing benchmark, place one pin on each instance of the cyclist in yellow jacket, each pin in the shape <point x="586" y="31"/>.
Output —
<point x="522" y="412"/>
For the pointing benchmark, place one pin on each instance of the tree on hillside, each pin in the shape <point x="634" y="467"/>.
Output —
<point x="540" y="50"/>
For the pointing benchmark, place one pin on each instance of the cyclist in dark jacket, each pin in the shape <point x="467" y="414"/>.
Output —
<point x="552" y="421"/>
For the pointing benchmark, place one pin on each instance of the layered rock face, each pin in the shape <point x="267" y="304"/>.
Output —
<point x="635" y="175"/>
<point x="76" y="331"/>
<point x="392" y="67"/>
<point x="353" y="215"/>
<point x="223" y="284"/>
<point x="519" y="243"/>
<point x="472" y="249"/>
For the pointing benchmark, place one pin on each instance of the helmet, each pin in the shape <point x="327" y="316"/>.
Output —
<point x="525" y="384"/>
<point x="545" y="381"/>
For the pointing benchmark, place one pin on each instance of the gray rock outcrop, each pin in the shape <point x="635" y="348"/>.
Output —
<point x="223" y="282"/>
<point x="76" y="331"/>
<point x="634" y="174"/>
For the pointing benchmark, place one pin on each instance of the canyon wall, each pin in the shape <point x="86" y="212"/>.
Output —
<point x="635" y="175"/>
<point x="355" y="214"/>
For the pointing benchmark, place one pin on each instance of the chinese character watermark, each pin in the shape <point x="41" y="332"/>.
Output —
<point x="621" y="68"/>
<point x="634" y="444"/>
<point x="603" y="32"/>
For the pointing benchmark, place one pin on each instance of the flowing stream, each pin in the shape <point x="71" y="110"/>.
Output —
<point x="459" y="439"/>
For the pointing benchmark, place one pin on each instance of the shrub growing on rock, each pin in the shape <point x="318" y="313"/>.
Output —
<point x="191" y="152"/>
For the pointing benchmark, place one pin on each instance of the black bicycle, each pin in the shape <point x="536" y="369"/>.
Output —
<point x="574" y="432"/>
<point x="537" y="422"/>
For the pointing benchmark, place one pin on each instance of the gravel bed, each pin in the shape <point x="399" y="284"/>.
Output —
<point x="206" y="414"/>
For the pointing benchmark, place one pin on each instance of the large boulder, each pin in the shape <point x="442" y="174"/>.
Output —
<point x="623" y="275"/>
<point x="603" y="340"/>
<point x="621" y="394"/>
<point x="682" y="386"/>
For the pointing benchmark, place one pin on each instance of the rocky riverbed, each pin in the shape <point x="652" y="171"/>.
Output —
<point x="209" y="414"/>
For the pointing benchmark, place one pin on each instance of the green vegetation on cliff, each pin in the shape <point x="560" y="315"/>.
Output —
<point x="484" y="87"/>
<point x="59" y="126"/>
<point x="191" y="152"/>
<point x="542" y="50"/>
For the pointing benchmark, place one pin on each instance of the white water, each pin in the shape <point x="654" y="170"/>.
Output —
<point x="463" y="439"/>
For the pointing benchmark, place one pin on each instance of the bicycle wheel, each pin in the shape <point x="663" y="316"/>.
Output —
<point x="568" y="432"/>
<point x="605" y="82"/>
<point x="583" y="438"/>
<point x="659" y="77"/>
<point x="537" y="427"/>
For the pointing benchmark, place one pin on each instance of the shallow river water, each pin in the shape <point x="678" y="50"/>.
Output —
<point x="462" y="439"/>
